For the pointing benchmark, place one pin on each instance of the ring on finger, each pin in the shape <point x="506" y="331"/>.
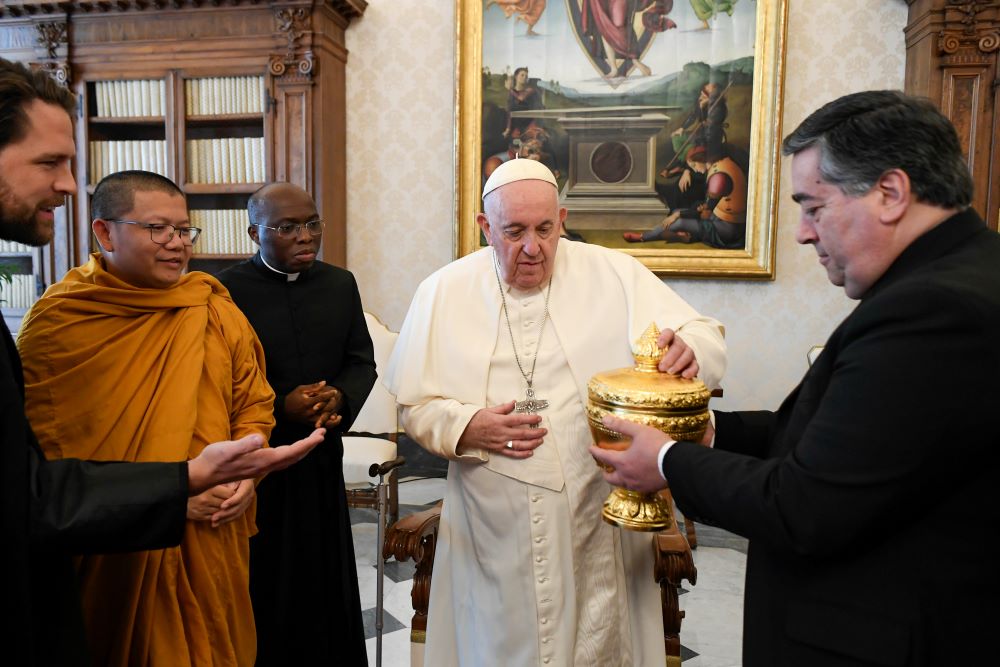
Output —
<point x="510" y="444"/>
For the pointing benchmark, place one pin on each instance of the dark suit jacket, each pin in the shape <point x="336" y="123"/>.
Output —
<point x="870" y="496"/>
<point x="53" y="509"/>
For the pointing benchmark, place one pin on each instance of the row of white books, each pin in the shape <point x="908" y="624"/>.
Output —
<point x="224" y="95"/>
<point x="231" y="160"/>
<point x="19" y="293"/>
<point x="107" y="157"/>
<point x="11" y="246"/>
<point x="223" y="232"/>
<point x="128" y="99"/>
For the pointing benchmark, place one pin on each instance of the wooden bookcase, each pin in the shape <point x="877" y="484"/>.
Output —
<point x="294" y="49"/>
<point x="212" y="130"/>
<point x="953" y="58"/>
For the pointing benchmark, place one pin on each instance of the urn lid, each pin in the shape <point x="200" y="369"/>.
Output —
<point x="643" y="386"/>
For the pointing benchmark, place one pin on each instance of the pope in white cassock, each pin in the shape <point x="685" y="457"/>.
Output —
<point x="491" y="368"/>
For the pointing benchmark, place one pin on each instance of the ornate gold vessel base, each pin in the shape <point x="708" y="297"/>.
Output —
<point x="645" y="512"/>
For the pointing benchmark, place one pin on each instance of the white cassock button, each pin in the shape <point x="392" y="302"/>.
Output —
<point x="538" y="559"/>
<point x="547" y="660"/>
<point x="536" y="519"/>
<point x="538" y="540"/>
<point x="545" y="621"/>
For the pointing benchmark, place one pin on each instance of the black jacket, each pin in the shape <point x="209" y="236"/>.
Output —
<point x="53" y="509"/>
<point x="869" y="497"/>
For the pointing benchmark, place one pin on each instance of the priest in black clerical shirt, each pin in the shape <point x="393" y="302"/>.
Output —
<point x="308" y="315"/>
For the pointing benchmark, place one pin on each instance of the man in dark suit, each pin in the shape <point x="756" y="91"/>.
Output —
<point x="869" y="496"/>
<point x="320" y="362"/>
<point x="50" y="510"/>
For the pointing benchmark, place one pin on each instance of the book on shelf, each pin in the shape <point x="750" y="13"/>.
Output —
<point x="19" y="292"/>
<point x="142" y="98"/>
<point x="237" y="156"/>
<point x="101" y="98"/>
<point x="14" y="246"/>
<point x="213" y="96"/>
<point x="207" y="163"/>
<point x="224" y="232"/>
<point x="192" y="162"/>
<point x="248" y="161"/>
<point x="225" y="168"/>
<point x="160" y="148"/>
<point x="189" y="96"/>
<point x="108" y="157"/>
<point x="217" y="173"/>
<point x="145" y="97"/>
<point x="225" y="160"/>
<point x="159" y="105"/>
<point x="257" y="152"/>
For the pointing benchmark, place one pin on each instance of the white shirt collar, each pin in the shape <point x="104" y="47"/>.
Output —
<point x="292" y="277"/>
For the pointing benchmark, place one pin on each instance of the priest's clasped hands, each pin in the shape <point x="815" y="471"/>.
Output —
<point x="316" y="404"/>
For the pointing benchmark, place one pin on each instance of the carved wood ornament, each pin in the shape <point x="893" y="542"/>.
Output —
<point x="966" y="41"/>
<point x="293" y="23"/>
<point x="952" y="54"/>
<point x="51" y="36"/>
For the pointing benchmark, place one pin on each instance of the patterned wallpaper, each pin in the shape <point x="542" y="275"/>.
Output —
<point x="401" y="194"/>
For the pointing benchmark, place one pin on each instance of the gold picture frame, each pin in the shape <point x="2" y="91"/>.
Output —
<point x="641" y="161"/>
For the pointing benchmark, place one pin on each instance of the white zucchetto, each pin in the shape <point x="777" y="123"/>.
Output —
<point x="519" y="169"/>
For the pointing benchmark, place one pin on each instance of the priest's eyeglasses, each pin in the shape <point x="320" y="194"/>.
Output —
<point x="290" y="230"/>
<point x="162" y="234"/>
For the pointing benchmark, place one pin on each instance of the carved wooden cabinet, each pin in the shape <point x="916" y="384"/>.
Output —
<point x="952" y="48"/>
<point x="293" y="49"/>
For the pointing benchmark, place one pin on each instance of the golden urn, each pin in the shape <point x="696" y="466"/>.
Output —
<point x="642" y="394"/>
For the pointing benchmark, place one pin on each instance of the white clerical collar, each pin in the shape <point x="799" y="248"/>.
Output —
<point x="292" y="277"/>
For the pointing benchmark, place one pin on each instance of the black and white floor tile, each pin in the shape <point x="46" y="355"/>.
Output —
<point x="712" y="627"/>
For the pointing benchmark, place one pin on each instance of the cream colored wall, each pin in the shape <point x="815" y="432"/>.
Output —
<point x="401" y="194"/>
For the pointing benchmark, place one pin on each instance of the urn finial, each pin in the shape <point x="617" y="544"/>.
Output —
<point x="646" y="352"/>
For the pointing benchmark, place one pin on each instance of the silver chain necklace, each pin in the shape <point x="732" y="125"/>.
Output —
<point x="530" y="404"/>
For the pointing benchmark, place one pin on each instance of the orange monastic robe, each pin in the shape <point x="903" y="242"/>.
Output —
<point x="118" y="373"/>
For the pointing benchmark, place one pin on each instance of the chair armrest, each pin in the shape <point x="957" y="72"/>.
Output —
<point x="673" y="559"/>
<point x="415" y="536"/>
<point x="405" y="539"/>
<point x="391" y="437"/>
<point x="673" y="562"/>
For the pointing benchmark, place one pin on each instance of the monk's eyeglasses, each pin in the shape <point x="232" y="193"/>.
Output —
<point x="162" y="234"/>
<point x="291" y="230"/>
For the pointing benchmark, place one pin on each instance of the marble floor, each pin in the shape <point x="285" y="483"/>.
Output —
<point x="711" y="631"/>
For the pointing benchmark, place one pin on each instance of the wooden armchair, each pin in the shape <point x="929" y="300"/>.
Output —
<point x="372" y="439"/>
<point x="414" y="537"/>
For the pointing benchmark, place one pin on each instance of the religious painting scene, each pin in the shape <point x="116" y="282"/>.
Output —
<point x="641" y="109"/>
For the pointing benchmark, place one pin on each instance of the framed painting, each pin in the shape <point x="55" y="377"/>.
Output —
<point x="660" y="119"/>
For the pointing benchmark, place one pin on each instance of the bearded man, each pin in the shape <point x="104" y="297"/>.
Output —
<point x="52" y="509"/>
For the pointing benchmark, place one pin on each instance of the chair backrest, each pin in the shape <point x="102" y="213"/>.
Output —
<point x="379" y="412"/>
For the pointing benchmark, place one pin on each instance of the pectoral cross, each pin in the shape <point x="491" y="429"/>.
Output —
<point x="530" y="404"/>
